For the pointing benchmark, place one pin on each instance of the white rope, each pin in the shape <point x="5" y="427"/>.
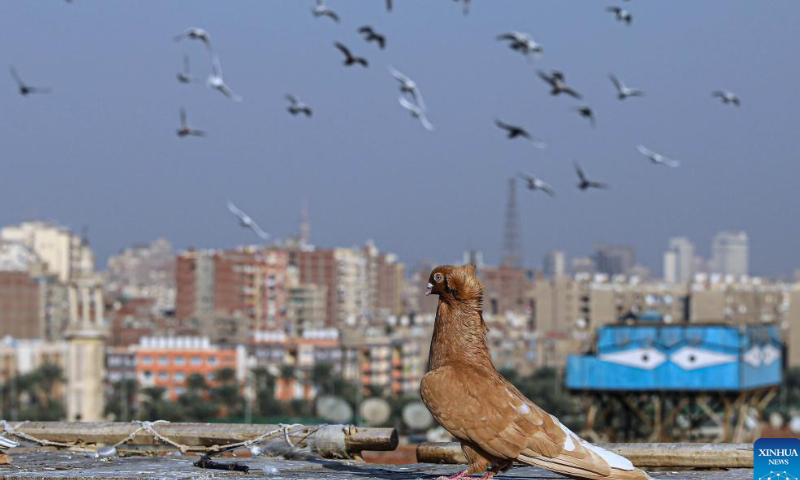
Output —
<point x="326" y="440"/>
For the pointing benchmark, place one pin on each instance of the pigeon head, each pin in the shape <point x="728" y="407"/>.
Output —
<point x="455" y="284"/>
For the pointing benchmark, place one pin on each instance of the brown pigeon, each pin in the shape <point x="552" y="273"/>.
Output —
<point x="495" y="423"/>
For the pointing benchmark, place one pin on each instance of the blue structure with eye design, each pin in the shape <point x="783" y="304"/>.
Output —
<point x="692" y="357"/>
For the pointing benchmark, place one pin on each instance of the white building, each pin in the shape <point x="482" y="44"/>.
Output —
<point x="555" y="263"/>
<point x="730" y="253"/>
<point x="679" y="261"/>
<point x="64" y="253"/>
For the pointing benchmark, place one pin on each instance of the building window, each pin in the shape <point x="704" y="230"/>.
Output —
<point x="179" y="377"/>
<point x="179" y="360"/>
<point x="147" y="360"/>
<point x="163" y="375"/>
<point x="163" y="360"/>
<point x="212" y="361"/>
<point x="197" y="361"/>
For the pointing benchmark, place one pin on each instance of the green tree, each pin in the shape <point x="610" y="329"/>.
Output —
<point x="121" y="403"/>
<point x="228" y="392"/>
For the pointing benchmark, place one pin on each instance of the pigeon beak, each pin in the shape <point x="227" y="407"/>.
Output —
<point x="428" y="290"/>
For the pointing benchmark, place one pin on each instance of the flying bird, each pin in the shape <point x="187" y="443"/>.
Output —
<point x="6" y="443"/>
<point x="370" y="35"/>
<point x="350" y="59"/>
<point x="523" y="43"/>
<point x="186" y="129"/>
<point x="621" y="14"/>
<point x="585" y="183"/>
<point x="24" y="89"/>
<point x="195" y="33"/>
<point x="216" y="81"/>
<point x="388" y="5"/>
<point x="558" y="83"/>
<point x="657" y="158"/>
<point x="322" y="10"/>
<point x="494" y="422"/>
<point x="727" y="97"/>
<point x="537" y="184"/>
<point x="623" y="91"/>
<point x="296" y="106"/>
<point x="409" y="87"/>
<point x="416" y="112"/>
<point x="246" y="222"/>
<point x="514" y="132"/>
<point x="466" y="5"/>
<point x="586" y="112"/>
<point x="185" y="76"/>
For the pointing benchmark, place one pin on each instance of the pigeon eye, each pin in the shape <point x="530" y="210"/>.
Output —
<point x="437" y="277"/>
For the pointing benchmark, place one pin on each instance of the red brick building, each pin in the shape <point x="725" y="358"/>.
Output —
<point x="247" y="286"/>
<point x="20" y="306"/>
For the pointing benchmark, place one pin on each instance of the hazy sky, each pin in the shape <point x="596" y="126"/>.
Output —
<point x="101" y="150"/>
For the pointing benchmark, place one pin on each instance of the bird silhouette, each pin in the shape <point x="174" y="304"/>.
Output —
<point x="246" y="222"/>
<point x="388" y="5"/>
<point x="514" y="131"/>
<point x="621" y="14"/>
<point x="24" y="89"/>
<point x="185" y="76"/>
<point x="351" y="59"/>
<point x="296" y="106"/>
<point x="727" y="97"/>
<point x="216" y="82"/>
<point x="523" y="43"/>
<point x="586" y="112"/>
<point x="537" y="184"/>
<point x="409" y="87"/>
<point x="657" y="158"/>
<point x="186" y="130"/>
<point x="494" y="422"/>
<point x="370" y="35"/>
<point x="623" y="91"/>
<point x="416" y="112"/>
<point x="466" y="6"/>
<point x="557" y="81"/>
<point x="585" y="183"/>
<point x="322" y="10"/>
<point x="195" y="33"/>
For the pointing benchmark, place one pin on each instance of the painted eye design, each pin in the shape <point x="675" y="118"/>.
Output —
<point x="437" y="277"/>
<point x="752" y="357"/>
<point x="643" y="358"/>
<point x="692" y="358"/>
<point x="770" y="355"/>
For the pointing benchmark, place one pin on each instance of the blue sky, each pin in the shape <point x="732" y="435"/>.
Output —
<point x="101" y="149"/>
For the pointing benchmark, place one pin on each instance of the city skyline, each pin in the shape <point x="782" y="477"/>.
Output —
<point x="128" y="190"/>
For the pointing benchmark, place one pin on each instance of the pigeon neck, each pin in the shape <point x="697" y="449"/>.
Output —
<point x="459" y="336"/>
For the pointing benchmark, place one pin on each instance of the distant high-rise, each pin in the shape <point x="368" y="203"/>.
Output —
<point x="731" y="252"/>
<point x="583" y="265"/>
<point x="679" y="261"/>
<point x="555" y="263"/>
<point x="614" y="259"/>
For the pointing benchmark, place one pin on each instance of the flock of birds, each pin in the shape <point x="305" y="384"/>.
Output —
<point x="410" y="97"/>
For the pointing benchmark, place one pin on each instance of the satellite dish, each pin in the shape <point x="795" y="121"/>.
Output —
<point x="794" y="425"/>
<point x="750" y="422"/>
<point x="775" y="420"/>
<point x="375" y="411"/>
<point x="334" y="409"/>
<point x="416" y="416"/>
